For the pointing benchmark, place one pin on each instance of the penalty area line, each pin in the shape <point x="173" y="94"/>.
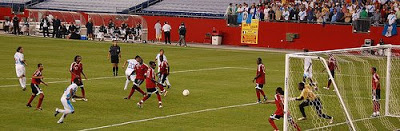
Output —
<point x="167" y="116"/>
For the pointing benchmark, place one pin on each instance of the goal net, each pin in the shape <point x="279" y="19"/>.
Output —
<point x="349" y="99"/>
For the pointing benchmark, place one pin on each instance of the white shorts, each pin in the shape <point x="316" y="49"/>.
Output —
<point x="308" y="75"/>
<point x="20" y="70"/>
<point x="67" y="104"/>
<point x="130" y="77"/>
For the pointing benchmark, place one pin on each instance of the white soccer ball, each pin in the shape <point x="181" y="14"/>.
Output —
<point x="185" y="92"/>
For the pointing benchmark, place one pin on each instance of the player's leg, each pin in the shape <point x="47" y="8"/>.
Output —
<point x="128" y="79"/>
<point x="378" y="97"/>
<point x="260" y="91"/>
<point x="271" y="120"/>
<point x="301" y="106"/>
<point x="161" y="84"/>
<point x="41" y="97"/>
<point x="293" y="123"/>
<point x="159" y="100"/>
<point x="20" y="70"/>
<point x="68" y="108"/>
<point x="167" y="81"/>
<point x="137" y="86"/>
<point x="34" y="92"/>
<point x="374" y="102"/>
<point x="318" y="107"/>
<point x="258" y="95"/>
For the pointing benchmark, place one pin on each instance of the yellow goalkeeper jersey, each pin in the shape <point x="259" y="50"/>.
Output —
<point x="307" y="93"/>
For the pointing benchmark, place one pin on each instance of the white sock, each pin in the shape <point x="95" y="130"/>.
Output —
<point x="126" y="84"/>
<point x="62" y="117"/>
<point x="167" y="81"/>
<point x="22" y="82"/>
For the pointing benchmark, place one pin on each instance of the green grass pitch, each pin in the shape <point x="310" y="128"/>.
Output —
<point x="219" y="80"/>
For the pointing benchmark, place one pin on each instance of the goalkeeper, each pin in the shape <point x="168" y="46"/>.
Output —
<point x="309" y="98"/>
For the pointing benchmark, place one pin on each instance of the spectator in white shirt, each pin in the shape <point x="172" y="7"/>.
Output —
<point x="302" y="15"/>
<point x="157" y="27"/>
<point x="167" y="29"/>
<point x="285" y="14"/>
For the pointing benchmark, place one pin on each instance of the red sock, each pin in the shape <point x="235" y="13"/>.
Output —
<point x="140" y="90"/>
<point x="329" y="83"/>
<point x="40" y="101"/>
<point x="31" y="99"/>
<point x="161" y="87"/>
<point x="131" y="93"/>
<point x="272" y="124"/>
<point x="262" y="93"/>
<point x="83" y="92"/>
<point x="144" y="99"/>
<point x="158" y="97"/>
<point x="258" y="94"/>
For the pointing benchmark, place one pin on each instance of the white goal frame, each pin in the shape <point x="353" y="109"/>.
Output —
<point x="387" y="52"/>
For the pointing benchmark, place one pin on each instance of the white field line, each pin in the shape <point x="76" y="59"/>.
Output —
<point x="336" y="124"/>
<point x="168" y="116"/>
<point x="100" y="78"/>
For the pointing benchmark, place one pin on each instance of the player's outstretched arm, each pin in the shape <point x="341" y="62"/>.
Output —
<point x="84" y="75"/>
<point x="44" y="82"/>
<point x="108" y="56"/>
<point x="24" y="61"/>
<point x="123" y="66"/>
<point x="270" y="102"/>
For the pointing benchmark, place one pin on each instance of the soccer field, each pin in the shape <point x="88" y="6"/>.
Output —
<point x="222" y="95"/>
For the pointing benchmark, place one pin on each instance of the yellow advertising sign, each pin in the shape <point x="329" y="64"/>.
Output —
<point x="250" y="32"/>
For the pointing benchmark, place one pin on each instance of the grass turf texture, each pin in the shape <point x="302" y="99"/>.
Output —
<point x="213" y="88"/>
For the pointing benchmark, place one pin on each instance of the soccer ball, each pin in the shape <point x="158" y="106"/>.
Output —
<point x="185" y="92"/>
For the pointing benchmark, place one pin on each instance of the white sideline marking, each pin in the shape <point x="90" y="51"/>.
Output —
<point x="318" y="128"/>
<point x="168" y="116"/>
<point x="173" y="72"/>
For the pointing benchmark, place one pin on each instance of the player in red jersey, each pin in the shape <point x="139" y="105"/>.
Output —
<point x="279" y="110"/>
<point x="332" y="65"/>
<point x="151" y="85"/>
<point x="140" y="70"/>
<point x="376" y="92"/>
<point x="162" y="75"/>
<point x="260" y="80"/>
<point x="37" y="78"/>
<point x="76" y="70"/>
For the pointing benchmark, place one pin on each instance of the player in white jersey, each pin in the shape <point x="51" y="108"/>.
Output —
<point x="158" y="64"/>
<point x="20" y="64"/>
<point x="130" y="70"/>
<point x="65" y="100"/>
<point x="308" y="73"/>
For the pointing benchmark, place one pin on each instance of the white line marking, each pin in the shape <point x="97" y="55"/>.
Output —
<point x="318" y="128"/>
<point x="173" y="72"/>
<point x="168" y="116"/>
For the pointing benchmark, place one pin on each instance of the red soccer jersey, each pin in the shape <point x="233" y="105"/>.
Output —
<point x="140" y="71"/>
<point x="332" y="63"/>
<point x="261" y="72"/>
<point x="149" y="77"/>
<point x="76" y="69"/>
<point x="163" y="67"/>
<point x="375" y="81"/>
<point x="278" y="102"/>
<point x="37" y="81"/>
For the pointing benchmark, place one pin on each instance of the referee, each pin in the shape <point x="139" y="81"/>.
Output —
<point x="115" y="54"/>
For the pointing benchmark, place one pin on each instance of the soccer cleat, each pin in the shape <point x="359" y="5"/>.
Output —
<point x="169" y="86"/>
<point x="265" y="99"/>
<point x="24" y="89"/>
<point x="125" y="88"/>
<point x="28" y="105"/>
<point x="60" y="122"/>
<point x="331" y="121"/>
<point x="258" y="102"/>
<point x="56" y="112"/>
<point x="139" y="105"/>
<point x="84" y="99"/>
<point x="126" y="98"/>
<point x="39" y="109"/>
<point x="165" y="93"/>
<point x="373" y="114"/>
<point x="326" y="88"/>
<point x="73" y="100"/>
<point x="316" y="88"/>
<point x="302" y="118"/>
<point x="160" y="105"/>
<point x="378" y="113"/>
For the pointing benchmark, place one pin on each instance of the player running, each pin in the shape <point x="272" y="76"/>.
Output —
<point x="308" y="74"/>
<point x="130" y="70"/>
<point x="151" y="86"/>
<point x="140" y="70"/>
<point x="260" y="80"/>
<point x="279" y="110"/>
<point x="376" y="92"/>
<point x="162" y="75"/>
<point x="76" y="70"/>
<point x="309" y="98"/>
<point x="159" y="55"/>
<point x="20" y="64"/>
<point x="69" y="92"/>
<point x="37" y="78"/>
<point x="332" y="65"/>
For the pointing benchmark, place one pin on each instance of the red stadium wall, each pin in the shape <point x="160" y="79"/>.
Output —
<point x="271" y="34"/>
<point x="6" y="11"/>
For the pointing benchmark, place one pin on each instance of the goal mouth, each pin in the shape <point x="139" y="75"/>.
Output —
<point x="350" y="98"/>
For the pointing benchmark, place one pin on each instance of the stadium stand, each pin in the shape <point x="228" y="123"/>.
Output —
<point x="14" y="1"/>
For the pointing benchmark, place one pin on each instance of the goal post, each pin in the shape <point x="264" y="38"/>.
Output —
<point x="351" y="101"/>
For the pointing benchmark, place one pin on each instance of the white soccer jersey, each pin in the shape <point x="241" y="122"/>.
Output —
<point x="19" y="59"/>
<point x="131" y="66"/>
<point x="307" y="65"/>
<point x="67" y="92"/>
<point x="158" y="58"/>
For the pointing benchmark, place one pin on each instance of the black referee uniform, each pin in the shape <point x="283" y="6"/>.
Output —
<point x="114" y="54"/>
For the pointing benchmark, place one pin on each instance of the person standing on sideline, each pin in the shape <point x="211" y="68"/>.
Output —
<point x="167" y="32"/>
<point x="7" y="24"/>
<point x="16" y="25"/>
<point x="182" y="35"/>
<point x="56" y="27"/>
<point x="89" y="27"/>
<point x="115" y="54"/>
<point x="20" y="64"/>
<point x="44" y="24"/>
<point x="157" y="27"/>
<point x="161" y="54"/>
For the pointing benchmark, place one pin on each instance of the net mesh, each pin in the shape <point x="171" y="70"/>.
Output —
<point x="354" y="83"/>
